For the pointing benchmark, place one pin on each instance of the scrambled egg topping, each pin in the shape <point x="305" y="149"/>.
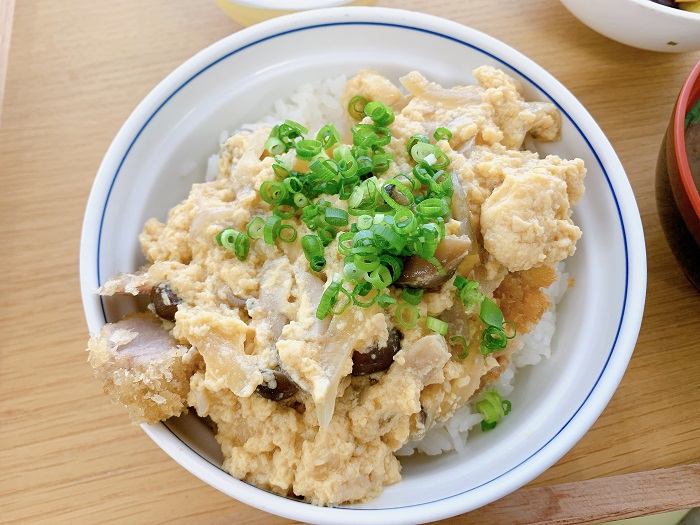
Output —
<point x="329" y="437"/>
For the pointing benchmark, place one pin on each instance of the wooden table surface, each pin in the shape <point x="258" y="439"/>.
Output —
<point x="77" y="69"/>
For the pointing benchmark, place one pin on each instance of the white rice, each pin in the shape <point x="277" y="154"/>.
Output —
<point x="312" y="105"/>
<point x="316" y="104"/>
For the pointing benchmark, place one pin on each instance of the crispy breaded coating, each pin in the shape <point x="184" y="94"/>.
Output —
<point x="521" y="296"/>
<point x="141" y="366"/>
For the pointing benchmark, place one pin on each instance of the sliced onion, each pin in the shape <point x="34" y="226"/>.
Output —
<point x="418" y="86"/>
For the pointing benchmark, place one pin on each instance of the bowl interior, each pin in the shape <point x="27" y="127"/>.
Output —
<point x="164" y="148"/>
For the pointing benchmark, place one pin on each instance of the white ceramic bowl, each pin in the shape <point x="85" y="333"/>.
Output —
<point x="640" y="23"/>
<point x="249" y="12"/>
<point x="163" y="148"/>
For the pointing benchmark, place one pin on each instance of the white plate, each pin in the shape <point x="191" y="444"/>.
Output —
<point x="163" y="148"/>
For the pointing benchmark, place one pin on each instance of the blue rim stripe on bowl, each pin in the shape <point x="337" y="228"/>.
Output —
<point x="461" y="42"/>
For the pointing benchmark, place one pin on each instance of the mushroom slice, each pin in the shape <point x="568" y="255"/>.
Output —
<point x="420" y="273"/>
<point x="276" y="385"/>
<point x="165" y="301"/>
<point x="376" y="359"/>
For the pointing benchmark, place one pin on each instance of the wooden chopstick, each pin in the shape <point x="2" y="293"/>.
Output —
<point x="7" y="9"/>
<point x="594" y="501"/>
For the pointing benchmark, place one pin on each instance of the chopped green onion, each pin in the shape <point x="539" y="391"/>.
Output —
<point x="328" y="299"/>
<point x="235" y="242"/>
<point x="300" y="200"/>
<point x="381" y="162"/>
<point x="414" y="140"/>
<point x="285" y="211"/>
<point x="323" y="169"/>
<point x="493" y="408"/>
<point x="345" y="243"/>
<point x="442" y="134"/>
<point x="364" y="164"/>
<point x="387" y="238"/>
<point x="429" y="154"/>
<point x="328" y="136"/>
<point x="441" y="184"/>
<point x="407" y="315"/>
<point x="380" y="277"/>
<point x="255" y="227"/>
<point x="380" y="113"/>
<point x="291" y="129"/>
<point x="412" y="295"/>
<point x="309" y="212"/>
<point x="395" y="264"/>
<point x="461" y="340"/>
<point x="396" y="218"/>
<point x="370" y="135"/>
<point x="308" y="148"/>
<point x="293" y="185"/>
<point x="421" y="151"/>
<point x="226" y="238"/>
<point x="436" y="325"/>
<point x="405" y="221"/>
<point x="327" y="234"/>
<point x="493" y="339"/>
<point x="468" y="291"/>
<point x="364" y="222"/>
<point x="275" y="146"/>
<point x="347" y="167"/>
<point x="437" y="264"/>
<point x="384" y="300"/>
<point x="491" y="314"/>
<point x="432" y="207"/>
<point x="423" y="174"/>
<point x="313" y="250"/>
<point x="336" y="217"/>
<point x="271" y="229"/>
<point x="361" y="290"/>
<point x="367" y="262"/>
<point x="356" y="107"/>
<point x="395" y="185"/>
<point x="351" y="271"/>
<point x="514" y="331"/>
<point x="273" y="192"/>
<point x="242" y="247"/>
<point x="337" y="310"/>
<point x="287" y="237"/>
<point x="280" y="171"/>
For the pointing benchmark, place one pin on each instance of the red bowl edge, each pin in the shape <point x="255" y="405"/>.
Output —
<point x="681" y="180"/>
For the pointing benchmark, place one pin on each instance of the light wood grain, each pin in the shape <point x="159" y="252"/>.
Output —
<point x="78" y="68"/>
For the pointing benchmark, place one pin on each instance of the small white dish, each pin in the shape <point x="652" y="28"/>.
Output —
<point x="249" y="12"/>
<point x="640" y="23"/>
<point x="164" y="146"/>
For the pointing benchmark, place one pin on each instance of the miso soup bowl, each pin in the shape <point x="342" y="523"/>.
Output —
<point x="163" y="149"/>
<point x="677" y="198"/>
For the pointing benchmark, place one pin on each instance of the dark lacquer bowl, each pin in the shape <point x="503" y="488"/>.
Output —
<point x="678" y="179"/>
